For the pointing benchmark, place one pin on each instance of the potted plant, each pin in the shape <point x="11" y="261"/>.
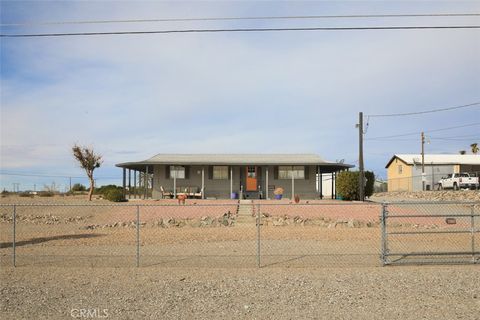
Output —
<point x="297" y="198"/>
<point x="278" y="192"/>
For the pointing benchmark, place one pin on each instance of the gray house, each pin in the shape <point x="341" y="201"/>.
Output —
<point x="225" y="176"/>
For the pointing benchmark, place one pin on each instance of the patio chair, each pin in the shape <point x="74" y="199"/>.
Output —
<point x="165" y="194"/>
<point x="198" y="195"/>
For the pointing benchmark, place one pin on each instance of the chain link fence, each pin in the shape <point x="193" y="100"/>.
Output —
<point x="237" y="234"/>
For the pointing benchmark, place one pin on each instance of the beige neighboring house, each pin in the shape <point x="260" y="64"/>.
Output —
<point x="404" y="171"/>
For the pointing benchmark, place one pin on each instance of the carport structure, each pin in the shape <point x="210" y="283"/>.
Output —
<point x="223" y="176"/>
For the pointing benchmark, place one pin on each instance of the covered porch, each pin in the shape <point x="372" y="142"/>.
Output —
<point x="230" y="176"/>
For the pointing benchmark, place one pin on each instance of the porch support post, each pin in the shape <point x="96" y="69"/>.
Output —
<point x="203" y="183"/>
<point x="145" y="181"/>
<point x="320" y="181"/>
<point x="332" y="185"/>
<point x="123" y="182"/>
<point x="335" y="184"/>
<point x="151" y="182"/>
<point x="129" y="182"/>
<point x="266" y="183"/>
<point x="175" y="182"/>
<point x="231" y="181"/>
<point x="293" y="186"/>
<point x="134" y="184"/>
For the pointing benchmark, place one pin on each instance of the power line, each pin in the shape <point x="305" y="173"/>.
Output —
<point x="306" y="17"/>
<point x="416" y="133"/>
<point x="456" y="139"/>
<point x="428" y="138"/>
<point x="50" y="176"/>
<point x="462" y="136"/>
<point x="424" y="112"/>
<point x="31" y="35"/>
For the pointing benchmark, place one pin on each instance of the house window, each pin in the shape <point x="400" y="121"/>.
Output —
<point x="286" y="172"/>
<point x="220" y="172"/>
<point x="177" y="172"/>
<point x="400" y="169"/>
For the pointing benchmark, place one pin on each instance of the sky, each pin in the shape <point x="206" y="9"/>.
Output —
<point x="133" y="96"/>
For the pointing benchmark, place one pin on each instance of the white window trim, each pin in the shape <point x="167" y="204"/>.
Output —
<point x="290" y="170"/>
<point x="176" y="168"/>
<point x="223" y="177"/>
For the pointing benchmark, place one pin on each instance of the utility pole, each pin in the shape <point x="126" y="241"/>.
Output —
<point x="360" y="157"/>
<point x="423" y="161"/>
<point x="70" y="179"/>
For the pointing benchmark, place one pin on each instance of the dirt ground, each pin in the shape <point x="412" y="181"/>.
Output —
<point x="426" y="292"/>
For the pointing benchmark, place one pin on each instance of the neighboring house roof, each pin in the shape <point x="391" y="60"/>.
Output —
<point x="468" y="159"/>
<point x="236" y="159"/>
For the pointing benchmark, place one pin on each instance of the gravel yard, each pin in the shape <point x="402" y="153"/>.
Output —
<point x="444" y="195"/>
<point x="276" y="293"/>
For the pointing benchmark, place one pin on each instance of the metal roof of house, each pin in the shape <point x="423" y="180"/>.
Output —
<point x="235" y="159"/>
<point x="466" y="159"/>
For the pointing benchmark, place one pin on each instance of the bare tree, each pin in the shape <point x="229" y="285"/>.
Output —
<point x="474" y="147"/>
<point x="88" y="161"/>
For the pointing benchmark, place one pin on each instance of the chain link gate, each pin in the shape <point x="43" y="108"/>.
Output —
<point x="429" y="233"/>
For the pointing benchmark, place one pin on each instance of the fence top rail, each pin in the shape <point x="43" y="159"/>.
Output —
<point x="430" y="202"/>
<point x="179" y="205"/>
<point x="433" y="215"/>
<point x="235" y="204"/>
<point x="113" y="205"/>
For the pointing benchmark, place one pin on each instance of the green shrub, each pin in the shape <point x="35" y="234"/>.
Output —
<point x="78" y="187"/>
<point x="45" y="194"/>
<point x="103" y="190"/>
<point x="25" y="195"/>
<point x="114" y="195"/>
<point x="347" y="183"/>
<point x="370" y="183"/>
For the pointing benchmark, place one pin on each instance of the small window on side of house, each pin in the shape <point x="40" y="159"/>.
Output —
<point x="177" y="172"/>
<point x="220" y="172"/>
<point x="400" y="169"/>
<point x="286" y="172"/>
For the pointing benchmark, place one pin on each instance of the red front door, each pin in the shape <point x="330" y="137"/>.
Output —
<point x="251" y="178"/>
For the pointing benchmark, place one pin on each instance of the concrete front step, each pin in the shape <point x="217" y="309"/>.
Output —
<point x="245" y="211"/>
<point x="245" y="220"/>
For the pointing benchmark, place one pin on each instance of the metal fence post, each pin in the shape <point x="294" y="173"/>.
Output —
<point x="383" y="223"/>
<point x="473" y="232"/>
<point x="14" y="235"/>
<point x="258" y="234"/>
<point x="138" y="236"/>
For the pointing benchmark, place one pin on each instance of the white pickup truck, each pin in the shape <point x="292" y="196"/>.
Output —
<point x="458" y="181"/>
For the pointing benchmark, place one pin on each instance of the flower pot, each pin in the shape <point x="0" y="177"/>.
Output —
<point x="278" y="196"/>
<point x="234" y="195"/>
